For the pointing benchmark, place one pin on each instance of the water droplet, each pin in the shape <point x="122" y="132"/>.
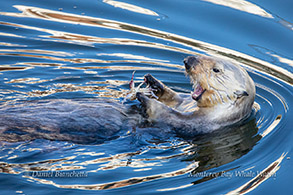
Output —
<point x="60" y="9"/>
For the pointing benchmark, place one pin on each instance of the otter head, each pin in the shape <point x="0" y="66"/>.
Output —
<point x="218" y="82"/>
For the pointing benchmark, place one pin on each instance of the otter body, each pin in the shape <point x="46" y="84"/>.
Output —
<point x="79" y="121"/>
<point x="223" y="95"/>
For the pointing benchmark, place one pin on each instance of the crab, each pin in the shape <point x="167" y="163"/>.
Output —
<point x="131" y="94"/>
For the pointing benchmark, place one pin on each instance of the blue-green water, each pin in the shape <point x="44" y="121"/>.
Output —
<point x="89" y="49"/>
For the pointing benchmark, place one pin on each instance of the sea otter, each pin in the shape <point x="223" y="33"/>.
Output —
<point x="223" y="95"/>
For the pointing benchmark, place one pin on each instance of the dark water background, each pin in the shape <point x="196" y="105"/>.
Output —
<point x="88" y="49"/>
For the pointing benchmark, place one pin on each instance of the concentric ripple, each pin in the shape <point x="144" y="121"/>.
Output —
<point x="67" y="51"/>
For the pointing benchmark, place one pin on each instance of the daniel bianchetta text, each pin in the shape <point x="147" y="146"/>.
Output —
<point x="234" y="174"/>
<point x="60" y="174"/>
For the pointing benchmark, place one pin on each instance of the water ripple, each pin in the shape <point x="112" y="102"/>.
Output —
<point x="34" y="12"/>
<point x="50" y="54"/>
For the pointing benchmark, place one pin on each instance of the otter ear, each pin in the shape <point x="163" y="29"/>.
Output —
<point x="240" y="94"/>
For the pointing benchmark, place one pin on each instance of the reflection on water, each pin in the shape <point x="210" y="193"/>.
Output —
<point x="131" y="7"/>
<point x="200" y="154"/>
<point x="272" y="126"/>
<point x="221" y="148"/>
<point x="244" y="6"/>
<point x="8" y="67"/>
<point x="45" y="14"/>
<point x="118" y="184"/>
<point x="260" y="178"/>
<point x="88" y="51"/>
<point x="37" y="51"/>
<point x="251" y="8"/>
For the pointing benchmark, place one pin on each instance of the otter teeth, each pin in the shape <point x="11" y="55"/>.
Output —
<point x="197" y="93"/>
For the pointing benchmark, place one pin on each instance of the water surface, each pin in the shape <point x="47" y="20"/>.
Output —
<point x="89" y="49"/>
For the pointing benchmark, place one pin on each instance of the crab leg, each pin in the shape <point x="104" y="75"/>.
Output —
<point x="131" y="83"/>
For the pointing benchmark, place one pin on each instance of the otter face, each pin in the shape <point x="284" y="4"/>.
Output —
<point x="218" y="82"/>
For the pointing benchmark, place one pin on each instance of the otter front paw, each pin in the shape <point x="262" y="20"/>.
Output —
<point x="151" y="108"/>
<point x="155" y="85"/>
<point x="144" y="100"/>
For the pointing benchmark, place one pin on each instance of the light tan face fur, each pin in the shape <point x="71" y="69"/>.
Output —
<point x="223" y="82"/>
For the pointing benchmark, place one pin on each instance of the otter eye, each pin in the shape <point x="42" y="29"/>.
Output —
<point x="216" y="70"/>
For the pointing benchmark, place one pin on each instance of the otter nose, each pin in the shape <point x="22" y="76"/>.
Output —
<point x="190" y="61"/>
